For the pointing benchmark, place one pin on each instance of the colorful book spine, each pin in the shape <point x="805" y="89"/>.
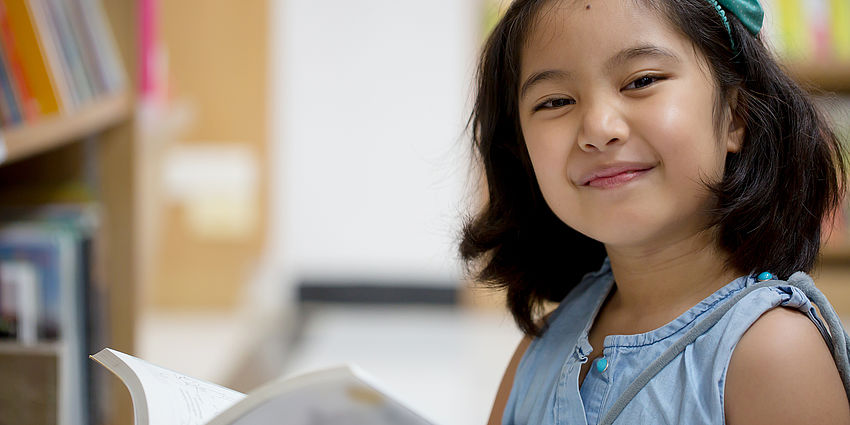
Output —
<point x="49" y="44"/>
<point x="69" y="48"/>
<point x="59" y="55"/>
<point x="810" y="31"/>
<point x="107" y="48"/>
<point x="840" y="15"/>
<point x="5" y="110"/>
<point x="147" y="50"/>
<point x="819" y="30"/>
<point x="87" y="46"/>
<point x="28" y="104"/>
<point x="9" y="96"/>
<point x="32" y="56"/>
<point x="795" y="37"/>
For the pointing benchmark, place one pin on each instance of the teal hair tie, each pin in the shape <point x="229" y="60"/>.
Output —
<point x="749" y="12"/>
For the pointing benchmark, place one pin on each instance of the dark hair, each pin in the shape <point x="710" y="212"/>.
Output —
<point x="771" y="202"/>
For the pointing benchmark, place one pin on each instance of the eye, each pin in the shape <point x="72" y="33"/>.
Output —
<point x="554" y="103"/>
<point x="643" y="81"/>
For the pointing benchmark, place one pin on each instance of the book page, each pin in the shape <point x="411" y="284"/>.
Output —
<point x="337" y="396"/>
<point x="163" y="397"/>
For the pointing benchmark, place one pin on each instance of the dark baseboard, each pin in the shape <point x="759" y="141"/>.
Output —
<point x="363" y="292"/>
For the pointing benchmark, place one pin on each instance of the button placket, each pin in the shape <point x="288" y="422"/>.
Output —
<point x="567" y="388"/>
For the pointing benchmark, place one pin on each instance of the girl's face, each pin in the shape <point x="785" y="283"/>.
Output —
<point x="616" y="109"/>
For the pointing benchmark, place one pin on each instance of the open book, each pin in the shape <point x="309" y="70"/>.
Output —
<point x="342" y="395"/>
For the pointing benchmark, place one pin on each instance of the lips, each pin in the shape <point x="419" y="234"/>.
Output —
<point x="614" y="175"/>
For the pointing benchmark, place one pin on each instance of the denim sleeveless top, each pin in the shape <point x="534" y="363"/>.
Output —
<point x="688" y="390"/>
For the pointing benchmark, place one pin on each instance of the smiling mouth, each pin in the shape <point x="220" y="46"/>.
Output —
<point x="616" y="179"/>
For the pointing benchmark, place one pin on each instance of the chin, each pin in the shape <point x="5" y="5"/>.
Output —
<point x="630" y="234"/>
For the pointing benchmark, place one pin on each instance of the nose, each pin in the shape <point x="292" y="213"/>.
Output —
<point x="603" y="127"/>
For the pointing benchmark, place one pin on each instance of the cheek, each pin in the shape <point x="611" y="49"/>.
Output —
<point x="542" y="146"/>
<point x="670" y="119"/>
<point x="682" y="131"/>
<point x="548" y="150"/>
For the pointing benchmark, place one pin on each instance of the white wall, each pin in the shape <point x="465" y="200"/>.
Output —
<point x="369" y="153"/>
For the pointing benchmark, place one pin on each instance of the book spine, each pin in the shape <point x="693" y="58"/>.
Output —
<point x="32" y="56"/>
<point x="147" y="41"/>
<point x="840" y="29"/>
<point x="9" y="95"/>
<point x="92" y="57"/>
<point x="107" y="47"/>
<point x="29" y="106"/>
<point x="65" y="42"/>
<point x="19" y="282"/>
<point x="819" y="30"/>
<point x="792" y="29"/>
<point x="48" y="41"/>
<point x="8" y="308"/>
<point x="5" y="110"/>
<point x="74" y="54"/>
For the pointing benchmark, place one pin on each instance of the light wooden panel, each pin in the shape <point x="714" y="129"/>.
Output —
<point x="218" y="59"/>
<point x="834" y="281"/>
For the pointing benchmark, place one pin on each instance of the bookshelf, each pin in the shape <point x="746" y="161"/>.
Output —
<point x="840" y="255"/>
<point x="51" y="132"/>
<point x="830" y="76"/>
<point x="91" y="148"/>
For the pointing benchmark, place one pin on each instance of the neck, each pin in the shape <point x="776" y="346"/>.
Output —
<point x="654" y="286"/>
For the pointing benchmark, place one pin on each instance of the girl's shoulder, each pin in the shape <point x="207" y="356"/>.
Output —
<point x="782" y="360"/>
<point x="761" y="347"/>
<point x="773" y="349"/>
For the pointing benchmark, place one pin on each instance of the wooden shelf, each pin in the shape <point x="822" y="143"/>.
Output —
<point x="51" y="132"/>
<point x="833" y="255"/>
<point x="41" y="348"/>
<point x="834" y="77"/>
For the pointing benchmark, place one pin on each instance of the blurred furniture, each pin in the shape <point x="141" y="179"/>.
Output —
<point x="87" y="154"/>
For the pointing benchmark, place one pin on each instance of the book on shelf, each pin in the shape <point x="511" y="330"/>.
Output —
<point x="10" y="101"/>
<point x="810" y="30"/>
<point x="55" y="56"/>
<point x="19" y="305"/>
<point x="50" y="301"/>
<point x="343" y="395"/>
<point x="15" y="68"/>
<point x="22" y="40"/>
<point x="841" y="31"/>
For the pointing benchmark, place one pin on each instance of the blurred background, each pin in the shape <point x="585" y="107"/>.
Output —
<point x="244" y="190"/>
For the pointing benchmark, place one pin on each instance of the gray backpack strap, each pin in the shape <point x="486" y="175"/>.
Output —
<point x="838" y="342"/>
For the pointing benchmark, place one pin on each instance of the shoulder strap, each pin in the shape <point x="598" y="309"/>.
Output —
<point x="838" y="340"/>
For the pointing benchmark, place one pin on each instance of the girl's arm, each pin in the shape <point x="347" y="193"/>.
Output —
<point x="782" y="372"/>
<point x="507" y="383"/>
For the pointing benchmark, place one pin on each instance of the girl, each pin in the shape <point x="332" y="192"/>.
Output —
<point x="648" y="165"/>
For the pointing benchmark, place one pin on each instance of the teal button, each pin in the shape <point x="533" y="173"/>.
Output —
<point x="765" y="276"/>
<point x="601" y="364"/>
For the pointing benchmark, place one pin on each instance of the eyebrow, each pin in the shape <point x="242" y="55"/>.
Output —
<point x="619" y="59"/>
